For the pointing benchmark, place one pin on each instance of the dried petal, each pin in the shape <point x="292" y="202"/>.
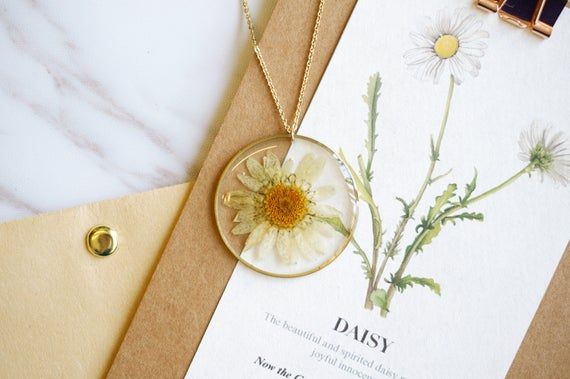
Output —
<point x="250" y="182"/>
<point x="256" y="170"/>
<point x="309" y="168"/>
<point x="256" y="236"/>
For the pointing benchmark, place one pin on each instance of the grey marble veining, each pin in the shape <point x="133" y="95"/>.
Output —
<point x="104" y="99"/>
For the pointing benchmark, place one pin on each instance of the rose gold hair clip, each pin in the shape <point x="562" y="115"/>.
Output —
<point x="537" y="15"/>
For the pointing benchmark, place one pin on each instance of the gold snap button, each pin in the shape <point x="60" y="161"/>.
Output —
<point x="102" y="240"/>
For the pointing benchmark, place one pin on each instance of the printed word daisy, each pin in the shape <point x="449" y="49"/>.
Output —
<point x="450" y="42"/>
<point x="280" y="210"/>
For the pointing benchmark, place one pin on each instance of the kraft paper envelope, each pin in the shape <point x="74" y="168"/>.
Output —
<point x="64" y="311"/>
<point x="195" y="266"/>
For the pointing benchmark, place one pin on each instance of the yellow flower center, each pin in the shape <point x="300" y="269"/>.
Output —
<point x="446" y="46"/>
<point x="285" y="205"/>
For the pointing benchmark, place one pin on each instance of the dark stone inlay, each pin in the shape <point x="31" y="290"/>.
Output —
<point x="551" y="11"/>
<point x="523" y="9"/>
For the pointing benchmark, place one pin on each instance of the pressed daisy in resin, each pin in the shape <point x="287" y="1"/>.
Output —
<point x="281" y="210"/>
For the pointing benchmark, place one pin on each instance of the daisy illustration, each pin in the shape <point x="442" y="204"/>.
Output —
<point x="546" y="153"/>
<point x="281" y="210"/>
<point x="450" y="42"/>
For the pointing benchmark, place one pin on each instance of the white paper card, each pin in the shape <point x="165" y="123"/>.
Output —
<point x="490" y="274"/>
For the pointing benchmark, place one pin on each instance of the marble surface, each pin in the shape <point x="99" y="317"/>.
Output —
<point x="100" y="99"/>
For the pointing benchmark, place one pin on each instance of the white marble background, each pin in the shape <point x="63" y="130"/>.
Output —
<point x="100" y="99"/>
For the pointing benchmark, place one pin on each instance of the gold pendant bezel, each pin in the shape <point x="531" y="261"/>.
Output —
<point x="235" y="161"/>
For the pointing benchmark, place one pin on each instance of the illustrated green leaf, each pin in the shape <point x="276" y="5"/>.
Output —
<point x="432" y="232"/>
<point x="409" y="281"/>
<point x="364" y="173"/>
<point x="441" y="200"/>
<point x="365" y="264"/>
<point x="434" y="154"/>
<point x="473" y="216"/>
<point x="429" y="228"/>
<point x="360" y="187"/>
<point x="391" y="250"/>
<point x="469" y="189"/>
<point x="366" y="196"/>
<point x="336" y="223"/>
<point x="406" y="207"/>
<point x="379" y="299"/>
<point x="371" y="98"/>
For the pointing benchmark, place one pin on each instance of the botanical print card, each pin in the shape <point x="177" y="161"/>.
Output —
<point x="453" y="126"/>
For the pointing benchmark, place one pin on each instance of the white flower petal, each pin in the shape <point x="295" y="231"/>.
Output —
<point x="539" y="140"/>
<point x="422" y="40"/>
<point x="250" y="182"/>
<point x="272" y="165"/>
<point x="475" y="37"/>
<point x="438" y="70"/>
<point x="323" y="229"/>
<point x="267" y="242"/>
<point x="294" y="248"/>
<point x="324" y="210"/>
<point x="424" y="61"/>
<point x="417" y="57"/>
<point x="304" y="248"/>
<point x="424" y="70"/>
<point x="240" y="199"/>
<point x="472" y="63"/>
<point x="287" y="168"/>
<point x="256" y="236"/>
<point x="309" y="168"/>
<point x="256" y="170"/>
<point x="443" y="22"/>
<point x="283" y="245"/>
<point x="456" y="70"/>
<point x="246" y="215"/>
<point x="311" y="238"/>
<point x="555" y="143"/>
<point x="431" y="69"/>
<point x="244" y="227"/>
<point x="474" y="48"/>
<point x="324" y="192"/>
<point x="466" y="26"/>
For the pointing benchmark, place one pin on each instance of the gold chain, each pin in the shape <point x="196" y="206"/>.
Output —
<point x="289" y="127"/>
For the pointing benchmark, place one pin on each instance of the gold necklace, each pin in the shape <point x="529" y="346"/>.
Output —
<point x="286" y="205"/>
<point x="292" y="127"/>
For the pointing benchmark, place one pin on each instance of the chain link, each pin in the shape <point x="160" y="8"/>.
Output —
<point x="291" y="128"/>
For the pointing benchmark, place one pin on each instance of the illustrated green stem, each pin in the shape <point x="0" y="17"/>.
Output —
<point x="526" y="170"/>
<point x="377" y="235"/>
<point x="449" y="212"/>
<point x="377" y="230"/>
<point x="393" y="245"/>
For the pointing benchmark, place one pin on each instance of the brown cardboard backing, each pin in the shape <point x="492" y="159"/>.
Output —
<point x="195" y="267"/>
<point x="545" y="350"/>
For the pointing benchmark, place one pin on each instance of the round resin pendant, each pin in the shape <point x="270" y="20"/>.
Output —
<point x="286" y="207"/>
